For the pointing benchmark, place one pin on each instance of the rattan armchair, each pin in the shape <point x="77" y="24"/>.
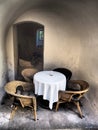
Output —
<point x="28" y="74"/>
<point x="73" y="94"/>
<point x="24" y="100"/>
<point x="66" y="72"/>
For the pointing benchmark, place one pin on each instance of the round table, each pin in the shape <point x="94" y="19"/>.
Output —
<point x="48" y="84"/>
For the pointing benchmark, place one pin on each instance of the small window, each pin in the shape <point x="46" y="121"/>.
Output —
<point x="39" y="37"/>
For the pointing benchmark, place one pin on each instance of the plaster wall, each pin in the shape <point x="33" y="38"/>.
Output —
<point x="58" y="46"/>
<point x="10" y="55"/>
<point x="71" y="40"/>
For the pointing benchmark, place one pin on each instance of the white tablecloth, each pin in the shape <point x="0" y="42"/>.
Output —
<point x="48" y="83"/>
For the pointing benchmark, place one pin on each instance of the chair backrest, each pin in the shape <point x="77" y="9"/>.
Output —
<point x="28" y="74"/>
<point x="69" y="95"/>
<point x="11" y="87"/>
<point x="65" y="71"/>
<point x="77" y="94"/>
<point x="84" y="86"/>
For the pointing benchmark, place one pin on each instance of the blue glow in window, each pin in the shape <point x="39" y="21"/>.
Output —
<point x="40" y="37"/>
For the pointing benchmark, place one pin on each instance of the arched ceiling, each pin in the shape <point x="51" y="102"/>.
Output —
<point x="12" y="9"/>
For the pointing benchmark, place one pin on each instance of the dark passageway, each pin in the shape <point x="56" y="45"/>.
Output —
<point x="30" y="38"/>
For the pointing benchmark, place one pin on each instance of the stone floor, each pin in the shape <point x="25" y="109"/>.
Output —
<point x="65" y="118"/>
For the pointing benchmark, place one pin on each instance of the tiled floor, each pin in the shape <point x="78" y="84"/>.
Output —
<point x="65" y="118"/>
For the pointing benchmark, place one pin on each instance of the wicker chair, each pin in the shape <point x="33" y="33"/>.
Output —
<point x="66" y="72"/>
<point x="24" y="100"/>
<point x="28" y="74"/>
<point x="73" y="94"/>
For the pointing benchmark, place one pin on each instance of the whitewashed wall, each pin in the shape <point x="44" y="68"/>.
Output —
<point x="71" y="29"/>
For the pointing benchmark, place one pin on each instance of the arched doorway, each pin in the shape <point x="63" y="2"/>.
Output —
<point x="30" y="45"/>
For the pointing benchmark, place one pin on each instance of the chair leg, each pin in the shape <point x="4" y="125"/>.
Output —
<point x="14" y="108"/>
<point x="79" y="109"/>
<point x="57" y="106"/>
<point x="34" y="109"/>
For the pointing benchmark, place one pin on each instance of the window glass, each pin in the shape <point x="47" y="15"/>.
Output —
<point x="39" y="37"/>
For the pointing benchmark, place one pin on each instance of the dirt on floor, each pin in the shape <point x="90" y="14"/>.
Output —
<point x="66" y="117"/>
